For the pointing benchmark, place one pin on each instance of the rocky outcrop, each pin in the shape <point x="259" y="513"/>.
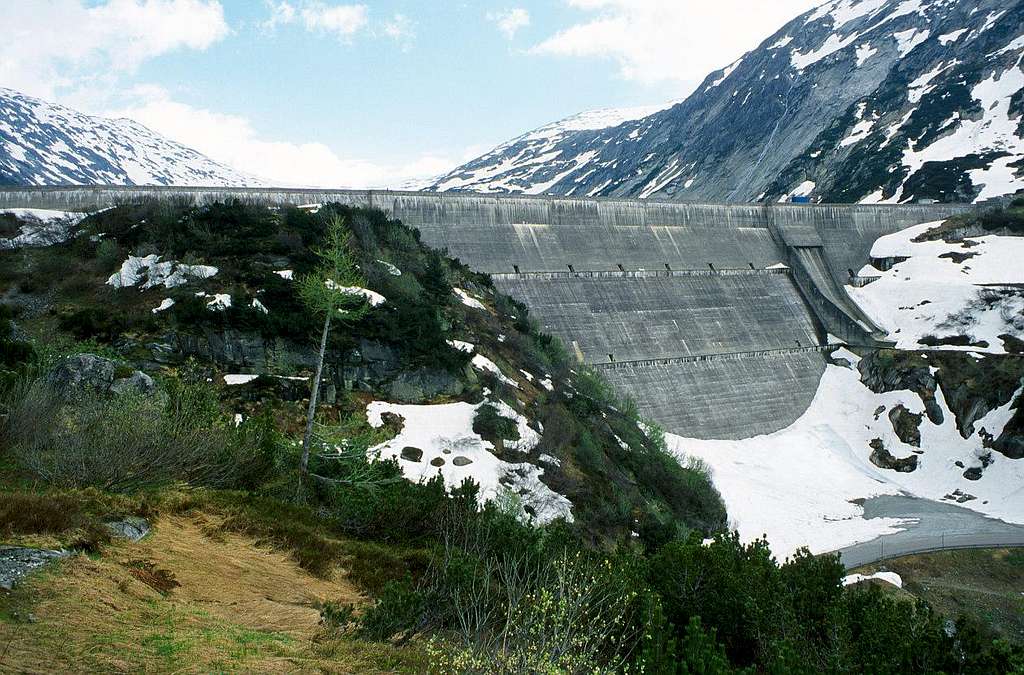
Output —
<point x="883" y="459"/>
<point x="907" y="425"/>
<point x="16" y="562"/>
<point x="90" y="373"/>
<point x="889" y="370"/>
<point x="132" y="528"/>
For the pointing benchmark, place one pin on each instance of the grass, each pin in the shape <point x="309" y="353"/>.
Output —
<point x="984" y="584"/>
<point x="240" y="606"/>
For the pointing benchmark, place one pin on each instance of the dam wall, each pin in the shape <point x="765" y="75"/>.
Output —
<point x="713" y="317"/>
<point x="617" y="317"/>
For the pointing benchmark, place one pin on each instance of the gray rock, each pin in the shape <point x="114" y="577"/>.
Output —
<point x="90" y="373"/>
<point x="423" y="385"/>
<point x="462" y="461"/>
<point x="16" y="562"/>
<point x="130" y="527"/>
<point x="82" y="371"/>
<point x="137" y="383"/>
<point x="411" y="454"/>
<point x="883" y="459"/>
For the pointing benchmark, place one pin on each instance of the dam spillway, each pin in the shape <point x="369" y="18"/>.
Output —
<point x="713" y="317"/>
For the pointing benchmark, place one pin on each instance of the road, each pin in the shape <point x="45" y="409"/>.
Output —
<point x="939" y="526"/>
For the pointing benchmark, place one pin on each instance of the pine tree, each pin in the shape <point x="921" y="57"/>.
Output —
<point x="331" y="292"/>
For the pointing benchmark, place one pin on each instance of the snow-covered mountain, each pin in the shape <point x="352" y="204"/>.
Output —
<point x="857" y="100"/>
<point x="43" y="143"/>
<point x="535" y="161"/>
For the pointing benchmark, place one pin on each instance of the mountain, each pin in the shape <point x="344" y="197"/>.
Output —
<point x="47" y="144"/>
<point x="534" y="162"/>
<point x="857" y="100"/>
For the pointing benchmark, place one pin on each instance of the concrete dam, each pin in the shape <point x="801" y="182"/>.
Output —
<point x="714" y="318"/>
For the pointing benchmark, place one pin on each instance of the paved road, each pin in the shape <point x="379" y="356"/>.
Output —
<point x="939" y="526"/>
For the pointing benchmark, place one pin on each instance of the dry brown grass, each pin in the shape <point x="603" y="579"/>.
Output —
<point x="238" y="607"/>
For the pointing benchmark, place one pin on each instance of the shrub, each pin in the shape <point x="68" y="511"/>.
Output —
<point x="491" y="426"/>
<point x="121" y="443"/>
<point x="109" y="255"/>
<point x="93" y="322"/>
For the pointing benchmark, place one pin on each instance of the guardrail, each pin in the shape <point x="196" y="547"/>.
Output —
<point x="904" y="544"/>
<point x="639" y="274"/>
<point x="727" y="356"/>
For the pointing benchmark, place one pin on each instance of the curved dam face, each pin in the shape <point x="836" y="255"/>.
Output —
<point x="713" y="317"/>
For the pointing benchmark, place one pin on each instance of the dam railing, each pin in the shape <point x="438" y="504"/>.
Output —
<point x="726" y="356"/>
<point x="638" y="274"/>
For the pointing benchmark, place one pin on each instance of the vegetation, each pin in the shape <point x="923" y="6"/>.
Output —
<point x="401" y="575"/>
<point x="327" y="293"/>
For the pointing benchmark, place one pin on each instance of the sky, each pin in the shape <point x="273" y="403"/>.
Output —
<point x="373" y="93"/>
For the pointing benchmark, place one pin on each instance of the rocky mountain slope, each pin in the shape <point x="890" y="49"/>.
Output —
<point x="858" y="100"/>
<point x="43" y="143"/>
<point x="444" y="376"/>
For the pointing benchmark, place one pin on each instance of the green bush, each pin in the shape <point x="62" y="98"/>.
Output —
<point x="491" y="426"/>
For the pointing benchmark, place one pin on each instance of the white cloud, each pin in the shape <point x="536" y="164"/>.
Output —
<point x="342" y="21"/>
<point x="509" y="22"/>
<point x="673" y="41"/>
<point x="52" y="44"/>
<point x="231" y="139"/>
<point x="401" y="29"/>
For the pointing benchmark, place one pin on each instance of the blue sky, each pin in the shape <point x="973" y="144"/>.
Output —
<point x="372" y="92"/>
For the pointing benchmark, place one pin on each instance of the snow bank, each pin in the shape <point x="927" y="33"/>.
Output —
<point x="219" y="302"/>
<point x="372" y="297"/>
<point x="481" y="362"/>
<point x="931" y="293"/>
<point x="165" y="305"/>
<point x="233" y="380"/>
<point x="888" y="577"/>
<point x="468" y="300"/>
<point x="444" y="434"/>
<point x="152" y="272"/>
<point x="797" y="485"/>
<point x="467" y="347"/>
<point x="41" y="227"/>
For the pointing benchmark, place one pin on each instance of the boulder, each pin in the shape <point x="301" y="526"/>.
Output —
<point x="81" y="373"/>
<point x="907" y="425"/>
<point x="137" y="383"/>
<point x="884" y="459"/>
<point x="16" y="562"/>
<point x="132" y="528"/>
<point x="411" y="454"/>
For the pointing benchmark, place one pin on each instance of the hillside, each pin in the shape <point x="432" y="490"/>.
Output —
<point x="482" y="393"/>
<point x="856" y="101"/>
<point x="44" y="143"/>
<point x="476" y="502"/>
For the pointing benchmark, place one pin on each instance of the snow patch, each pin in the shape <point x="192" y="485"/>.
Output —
<point x="888" y="577"/>
<point x="444" y="433"/>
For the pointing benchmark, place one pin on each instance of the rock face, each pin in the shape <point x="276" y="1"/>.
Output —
<point x="858" y="100"/>
<point x="48" y="144"/>
<point x="16" y="562"/>
<point x="907" y="425"/>
<point x="885" y="370"/>
<point x="88" y="372"/>
<point x="883" y="459"/>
